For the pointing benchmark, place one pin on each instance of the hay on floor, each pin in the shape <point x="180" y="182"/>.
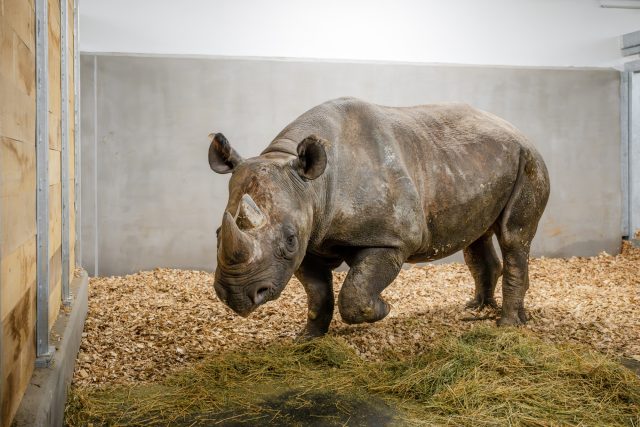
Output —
<point x="486" y="376"/>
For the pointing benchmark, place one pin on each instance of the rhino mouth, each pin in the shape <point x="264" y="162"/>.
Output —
<point x="245" y="300"/>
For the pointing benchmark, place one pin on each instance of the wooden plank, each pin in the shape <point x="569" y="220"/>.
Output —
<point x="55" y="137"/>
<point x="54" y="167"/>
<point x="18" y="117"/>
<point x="18" y="353"/>
<point x="18" y="220"/>
<point x="17" y="190"/>
<point x="17" y="167"/>
<point x="19" y="15"/>
<point x="6" y="49"/>
<point x="17" y="273"/>
<point x="25" y="67"/>
<point x="54" y="12"/>
<point x="55" y="217"/>
<point x="55" y="285"/>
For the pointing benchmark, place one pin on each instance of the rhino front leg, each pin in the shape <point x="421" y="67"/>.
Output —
<point x="371" y="270"/>
<point x="315" y="275"/>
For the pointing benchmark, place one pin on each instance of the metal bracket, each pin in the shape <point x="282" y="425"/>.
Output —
<point x="45" y="360"/>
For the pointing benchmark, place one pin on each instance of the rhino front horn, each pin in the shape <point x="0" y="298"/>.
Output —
<point x="249" y="214"/>
<point x="235" y="245"/>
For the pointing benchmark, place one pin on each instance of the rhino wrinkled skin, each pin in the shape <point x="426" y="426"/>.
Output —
<point x="376" y="187"/>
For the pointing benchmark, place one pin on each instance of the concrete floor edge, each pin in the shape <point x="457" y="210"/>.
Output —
<point x="44" y="401"/>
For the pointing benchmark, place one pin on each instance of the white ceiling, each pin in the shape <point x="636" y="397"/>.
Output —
<point x="496" y="32"/>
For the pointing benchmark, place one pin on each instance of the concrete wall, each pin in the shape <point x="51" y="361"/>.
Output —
<point x="150" y="199"/>
<point x="505" y="32"/>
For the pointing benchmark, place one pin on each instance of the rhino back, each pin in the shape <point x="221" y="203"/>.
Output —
<point x="429" y="179"/>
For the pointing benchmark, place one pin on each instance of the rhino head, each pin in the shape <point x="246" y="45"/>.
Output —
<point x="267" y="221"/>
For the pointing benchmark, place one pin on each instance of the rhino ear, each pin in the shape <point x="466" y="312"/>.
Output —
<point x="222" y="158"/>
<point x="312" y="158"/>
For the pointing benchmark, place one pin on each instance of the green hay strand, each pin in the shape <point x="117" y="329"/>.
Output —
<point x="487" y="376"/>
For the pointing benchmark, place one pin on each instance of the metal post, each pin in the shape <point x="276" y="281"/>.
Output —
<point x="64" y="90"/>
<point x="624" y="150"/>
<point x="44" y="352"/>
<point x="634" y="153"/>
<point x="77" y="135"/>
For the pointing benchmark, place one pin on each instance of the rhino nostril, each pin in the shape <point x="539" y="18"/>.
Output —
<point x="260" y="294"/>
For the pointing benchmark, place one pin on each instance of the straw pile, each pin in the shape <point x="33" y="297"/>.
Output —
<point x="487" y="376"/>
<point x="144" y="326"/>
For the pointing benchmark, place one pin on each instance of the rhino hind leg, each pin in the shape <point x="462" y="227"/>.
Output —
<point x="371" y="271"/>
<point x="485" y="267"/>
<point x="515" y="230"/>
<point x="316" y="278"/>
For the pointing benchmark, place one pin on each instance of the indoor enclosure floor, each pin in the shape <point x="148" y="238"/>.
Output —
<point x="143" y="326"/>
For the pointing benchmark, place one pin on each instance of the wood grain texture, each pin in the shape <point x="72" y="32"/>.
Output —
<point x="18" y="220"/>
<point x="17" y="270"/>
<point x="18" y="353"/>
<point x="55" y="218"/>
<point x="18" y="117"/>
<point x="6" y="49"/>
<point x="24" y="67"/>
<point x="20" y="16"/>
<point x="55" y="285"/>
<point x="17" y="167"/>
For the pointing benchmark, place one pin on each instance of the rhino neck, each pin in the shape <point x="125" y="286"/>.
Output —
<point x="282" y="145"/>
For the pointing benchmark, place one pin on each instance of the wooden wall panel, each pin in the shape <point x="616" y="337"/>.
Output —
<point x="17" y="267"/>
<point x="54" y="167"/>
<point x="17" y="215"/>
<point x="54" y="75"/>
<point x="55" y="218"/>
<point x="55" y="285"/>
<point x="18" y="188"/>
<point x="19" y="16"/>
<point x="17" y="118"/>
<point x="18" y="353"/>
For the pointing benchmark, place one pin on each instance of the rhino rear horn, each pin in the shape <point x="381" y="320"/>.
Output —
<point x="222" y="158"/>
<point x="236" y="245"/>
<point x="249" y="215"/>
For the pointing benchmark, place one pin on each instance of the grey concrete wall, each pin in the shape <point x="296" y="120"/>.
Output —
<point x="150" y="199"/>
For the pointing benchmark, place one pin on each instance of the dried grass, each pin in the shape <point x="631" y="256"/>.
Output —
<point x="487" y="376"/>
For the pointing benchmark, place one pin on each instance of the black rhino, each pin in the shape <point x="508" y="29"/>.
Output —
<point x="376" y="187"/>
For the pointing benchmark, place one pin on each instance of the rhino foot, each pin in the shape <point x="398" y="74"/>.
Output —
<point x="307" y="334"/>
<point x="376" y="310"/>
<point x="519" y="319"/>
<point x="480" y="302"/>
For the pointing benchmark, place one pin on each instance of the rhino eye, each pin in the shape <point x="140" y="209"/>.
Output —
<point x="291" y="243"/>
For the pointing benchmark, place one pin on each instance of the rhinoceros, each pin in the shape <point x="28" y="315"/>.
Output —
<point x="376" y="187"/>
